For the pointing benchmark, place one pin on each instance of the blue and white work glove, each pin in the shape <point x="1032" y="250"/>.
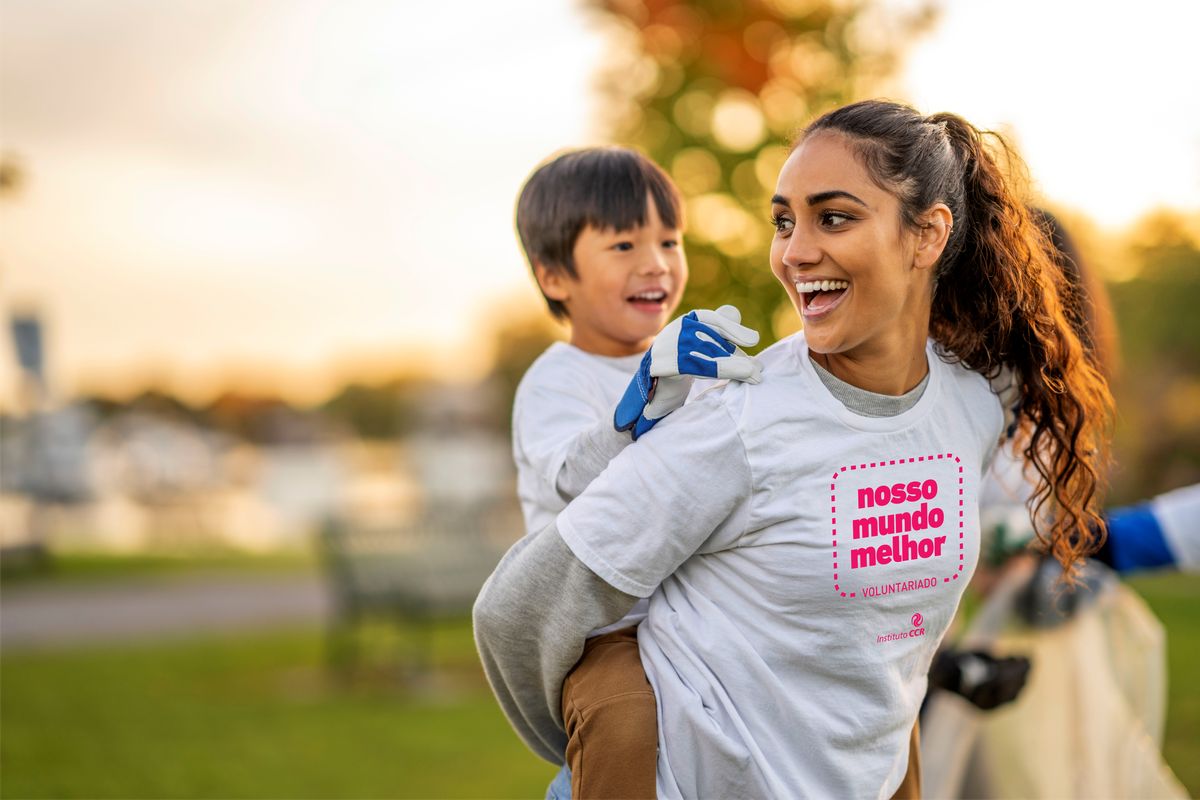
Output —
<point x="702" y="344"/>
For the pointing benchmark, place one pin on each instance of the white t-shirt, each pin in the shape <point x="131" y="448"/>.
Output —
<point x="1003" y="498"/>
<point x="1178" y="512"/>
<point x="565" y="392"/>
<point x="791" y="627"/>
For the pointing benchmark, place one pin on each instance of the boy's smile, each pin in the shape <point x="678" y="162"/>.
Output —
<point x="649" y="301"/>
<point x="627" y="285"/>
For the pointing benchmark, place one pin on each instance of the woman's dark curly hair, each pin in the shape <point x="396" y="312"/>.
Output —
<point x="999" y="300"/>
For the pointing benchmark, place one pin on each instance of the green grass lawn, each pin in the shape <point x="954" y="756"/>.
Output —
<point x="96" y="568"/>
<point x="1176" y="601"/>
<point x="256" y="716"/>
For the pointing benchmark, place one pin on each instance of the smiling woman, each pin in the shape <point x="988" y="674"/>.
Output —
<point x="988" y="291"/>
<point x="780" y="665"/>
<point x="837" y="248"/>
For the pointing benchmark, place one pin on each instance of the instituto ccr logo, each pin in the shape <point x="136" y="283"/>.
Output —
<point x="915" y="632"/>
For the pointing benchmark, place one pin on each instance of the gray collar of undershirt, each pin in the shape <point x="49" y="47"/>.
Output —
<point x="869" y="404"/>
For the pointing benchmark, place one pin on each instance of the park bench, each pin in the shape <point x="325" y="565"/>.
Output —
<point x="410" y="575"/>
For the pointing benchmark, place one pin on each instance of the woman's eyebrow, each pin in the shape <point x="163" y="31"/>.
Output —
<point x="821" y="197"/>
<point x="780" y="200"/>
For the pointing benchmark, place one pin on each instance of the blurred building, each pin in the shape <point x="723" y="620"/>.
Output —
<point x="140" y="479"/>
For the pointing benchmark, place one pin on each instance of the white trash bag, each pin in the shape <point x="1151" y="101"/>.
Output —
<point x="1089" y="722"/>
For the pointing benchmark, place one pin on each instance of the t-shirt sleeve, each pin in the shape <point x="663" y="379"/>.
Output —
<point x="1178" y="513"/>
<point x="1007" y="388"/>
<point x="546" y="422"/>
<point x="662" y="499"/>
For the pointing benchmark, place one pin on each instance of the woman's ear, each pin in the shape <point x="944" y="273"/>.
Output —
<point x="555" y="283"/>
<point x="932" y="235"/>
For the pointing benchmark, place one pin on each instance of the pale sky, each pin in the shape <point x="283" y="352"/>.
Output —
<point x="1102" y="97"/>
<point x="277" y="191"/>
<point x="264" y="185"/>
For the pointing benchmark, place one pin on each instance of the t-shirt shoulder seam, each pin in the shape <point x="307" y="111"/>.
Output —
<point x="597" y="563"/>
<point x="750" y="493"/>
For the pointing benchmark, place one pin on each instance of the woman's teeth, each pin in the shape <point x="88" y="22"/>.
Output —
<point x="821" y="286"/>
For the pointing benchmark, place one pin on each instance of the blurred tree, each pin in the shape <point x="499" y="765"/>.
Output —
<point x="266" y="419"/>
<point x="713" y="89"/>
<point x="518" y="339"/>
<point x="12" y="174"/>
<point x="1158" y="393"/>
<point x="384" y="411"/>
<point x="240" y="414"/>
<point x="104" y="408"/>
<point x="161" y="403"/>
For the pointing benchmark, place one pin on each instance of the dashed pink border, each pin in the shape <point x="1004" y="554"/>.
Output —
<point x="891" y="463"/>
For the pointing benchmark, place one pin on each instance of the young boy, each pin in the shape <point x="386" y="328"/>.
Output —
<point x="601" y="229"/>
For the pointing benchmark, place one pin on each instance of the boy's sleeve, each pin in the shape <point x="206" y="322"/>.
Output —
<point x="562" y="437"/>
<point x="589" y="455"/>
<point x="531" y="619"/>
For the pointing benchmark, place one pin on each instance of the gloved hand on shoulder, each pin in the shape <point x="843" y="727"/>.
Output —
<point x="701" y="343"/>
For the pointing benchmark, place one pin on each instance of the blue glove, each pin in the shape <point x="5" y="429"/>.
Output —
<point x="1135" y="540"/>
<point x="702" y="344"/>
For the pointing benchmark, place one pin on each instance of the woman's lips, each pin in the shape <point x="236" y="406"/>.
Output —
<point x="818" y="298"/>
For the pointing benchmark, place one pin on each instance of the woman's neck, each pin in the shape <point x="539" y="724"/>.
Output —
<point x="893" y="370"/>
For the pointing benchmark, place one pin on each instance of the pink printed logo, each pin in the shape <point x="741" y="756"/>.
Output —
<point x="916" y="619"/>
<point x="892" y="518"/>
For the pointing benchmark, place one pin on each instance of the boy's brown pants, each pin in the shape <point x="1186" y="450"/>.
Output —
<point x="612" y="724"/>
<point x="611" y="720"/>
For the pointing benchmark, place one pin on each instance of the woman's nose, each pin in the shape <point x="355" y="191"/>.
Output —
<point x="801" y="250"/>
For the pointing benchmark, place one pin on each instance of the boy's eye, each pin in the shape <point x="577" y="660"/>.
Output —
<point x="834" y="219"/>
<point x="623" y="246"/>
<point x="782" y="224"/>
<point x="670" y="243"/>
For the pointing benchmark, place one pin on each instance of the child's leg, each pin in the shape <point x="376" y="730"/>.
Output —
<point x="611" y="720"/>
<point x="910" y="787"/>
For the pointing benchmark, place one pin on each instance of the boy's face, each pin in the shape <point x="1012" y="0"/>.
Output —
<point x="627" y="287"/>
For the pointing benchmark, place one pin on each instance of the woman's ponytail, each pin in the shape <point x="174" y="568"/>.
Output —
<point x="1004" y="307"/>
<point x="997" y="302"/>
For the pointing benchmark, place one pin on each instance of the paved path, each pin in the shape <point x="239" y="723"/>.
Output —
<point x="61" y="615"/>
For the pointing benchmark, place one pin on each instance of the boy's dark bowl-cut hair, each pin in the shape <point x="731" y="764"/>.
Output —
<point x="604" y="187"/>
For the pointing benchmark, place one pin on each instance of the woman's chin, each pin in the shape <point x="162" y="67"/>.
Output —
<point x="819" y="343"/>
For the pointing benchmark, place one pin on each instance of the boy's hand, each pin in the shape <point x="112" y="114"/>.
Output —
<point x="702" y="344"/>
